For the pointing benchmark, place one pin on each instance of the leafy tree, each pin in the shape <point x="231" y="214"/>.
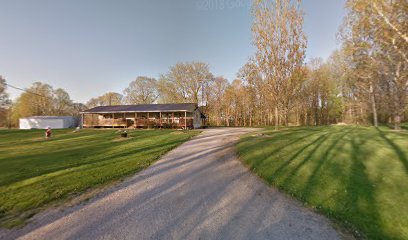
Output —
<point x="4" y="103"/>
<point x="185" y="82"/>
<point x="38" y="100"/>
<point x="4" y="97"/>
<point x="143" y="90"/>
<point x="107" y="99"/>
<point x="35" y="101"/>
<point x="78" y="107"/>
<point x="42" y="100"/>
<point x="63" y="104"/>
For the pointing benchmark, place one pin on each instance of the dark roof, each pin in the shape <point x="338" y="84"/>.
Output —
<point x="189" y="107"/>
<point x="48" y="117"/>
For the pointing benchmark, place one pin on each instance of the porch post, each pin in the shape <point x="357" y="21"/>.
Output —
<point x="160" y="120"/>
<point x="135" y="119"/>
<point x="185" y="120"/>
<point x="113" y="120"/>
<point x="172" y="120"/>
<point x="82" y="120"/>
<point x="148" y="120"/>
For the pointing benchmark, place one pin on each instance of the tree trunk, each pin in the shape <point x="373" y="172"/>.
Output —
<point x="267" y="118"/>
<point x="306" y="120"/>
<point x="276" y="118"/>
<point x="9" y="117"/>
<point x="397" y="121"/>
<point x="374" y="108"/>
<point x="316" y="111"/>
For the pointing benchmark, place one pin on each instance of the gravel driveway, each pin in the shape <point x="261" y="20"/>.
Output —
<point x="197" y="191"/>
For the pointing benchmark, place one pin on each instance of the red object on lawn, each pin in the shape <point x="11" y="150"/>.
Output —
<point x="48" y="133"/>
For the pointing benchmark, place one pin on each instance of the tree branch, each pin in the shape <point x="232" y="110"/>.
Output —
<point x="388" y="22"/>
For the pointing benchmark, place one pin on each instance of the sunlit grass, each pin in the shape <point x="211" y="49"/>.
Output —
<point x="35" y="172"/>
<point x="356" y="175"/>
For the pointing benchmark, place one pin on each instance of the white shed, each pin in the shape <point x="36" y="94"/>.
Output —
<point x="42" y="122"/>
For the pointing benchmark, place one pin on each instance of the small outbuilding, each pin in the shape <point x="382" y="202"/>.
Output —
<point x="42" y="122"/>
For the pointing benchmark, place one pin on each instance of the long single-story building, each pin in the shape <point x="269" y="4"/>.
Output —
<point x="43" y="122"/>
<point x="183" y="115"/>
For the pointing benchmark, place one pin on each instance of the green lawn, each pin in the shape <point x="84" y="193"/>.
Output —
<point x="355" y="175"/>
<point x="35" y="172"/>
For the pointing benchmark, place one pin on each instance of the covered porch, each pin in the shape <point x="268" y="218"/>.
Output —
<point x="178" y="119"/>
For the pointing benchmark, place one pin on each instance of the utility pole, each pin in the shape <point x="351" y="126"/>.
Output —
<point x="202" y="94"/>
<point x="9" y="117"/>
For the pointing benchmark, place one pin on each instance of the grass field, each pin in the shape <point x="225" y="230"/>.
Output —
<point x="355" y="175"/>
<point x="35" y="172"/>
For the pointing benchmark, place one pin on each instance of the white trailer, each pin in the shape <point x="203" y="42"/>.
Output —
<point x="43" y="122"/>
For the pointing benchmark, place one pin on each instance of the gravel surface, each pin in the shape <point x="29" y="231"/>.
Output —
<point x="199" y="190"/>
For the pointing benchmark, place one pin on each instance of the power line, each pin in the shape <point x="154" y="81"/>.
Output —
<point x="27" y="91"/>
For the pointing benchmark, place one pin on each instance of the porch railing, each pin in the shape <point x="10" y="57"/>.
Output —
<point x="92" y="121"/>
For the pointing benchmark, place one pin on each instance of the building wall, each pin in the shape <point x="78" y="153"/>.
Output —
<point x="197" y="119"/>
<point x="43" y="123"/>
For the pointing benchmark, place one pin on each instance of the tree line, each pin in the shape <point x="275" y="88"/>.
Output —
<point x="40" y="99"/>
<point x="363" y="82"/>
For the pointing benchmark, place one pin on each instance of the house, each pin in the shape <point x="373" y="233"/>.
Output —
<point x="183" y="115"/>
<point x="43" y="122"/>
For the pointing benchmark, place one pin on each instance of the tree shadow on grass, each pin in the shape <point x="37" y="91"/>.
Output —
<point x="361" y="204"/>
<point x="357" y="203"/>
<point x="84" y="153"/>
<point x="274" y="143"/>
<point x="401" y="155"/>
<point x="97" y="171"/>
<point x="316" y="143"/>
<point x="314" y="178"/>
<point x="339" y="173"/>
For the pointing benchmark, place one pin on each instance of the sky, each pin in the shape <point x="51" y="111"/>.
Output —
<point x="90" y="47"/>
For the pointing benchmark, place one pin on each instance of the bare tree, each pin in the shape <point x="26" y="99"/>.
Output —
<point x="215" y="101"/>
<point x="280" y="43"/>
<point x="377" y="45"/>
